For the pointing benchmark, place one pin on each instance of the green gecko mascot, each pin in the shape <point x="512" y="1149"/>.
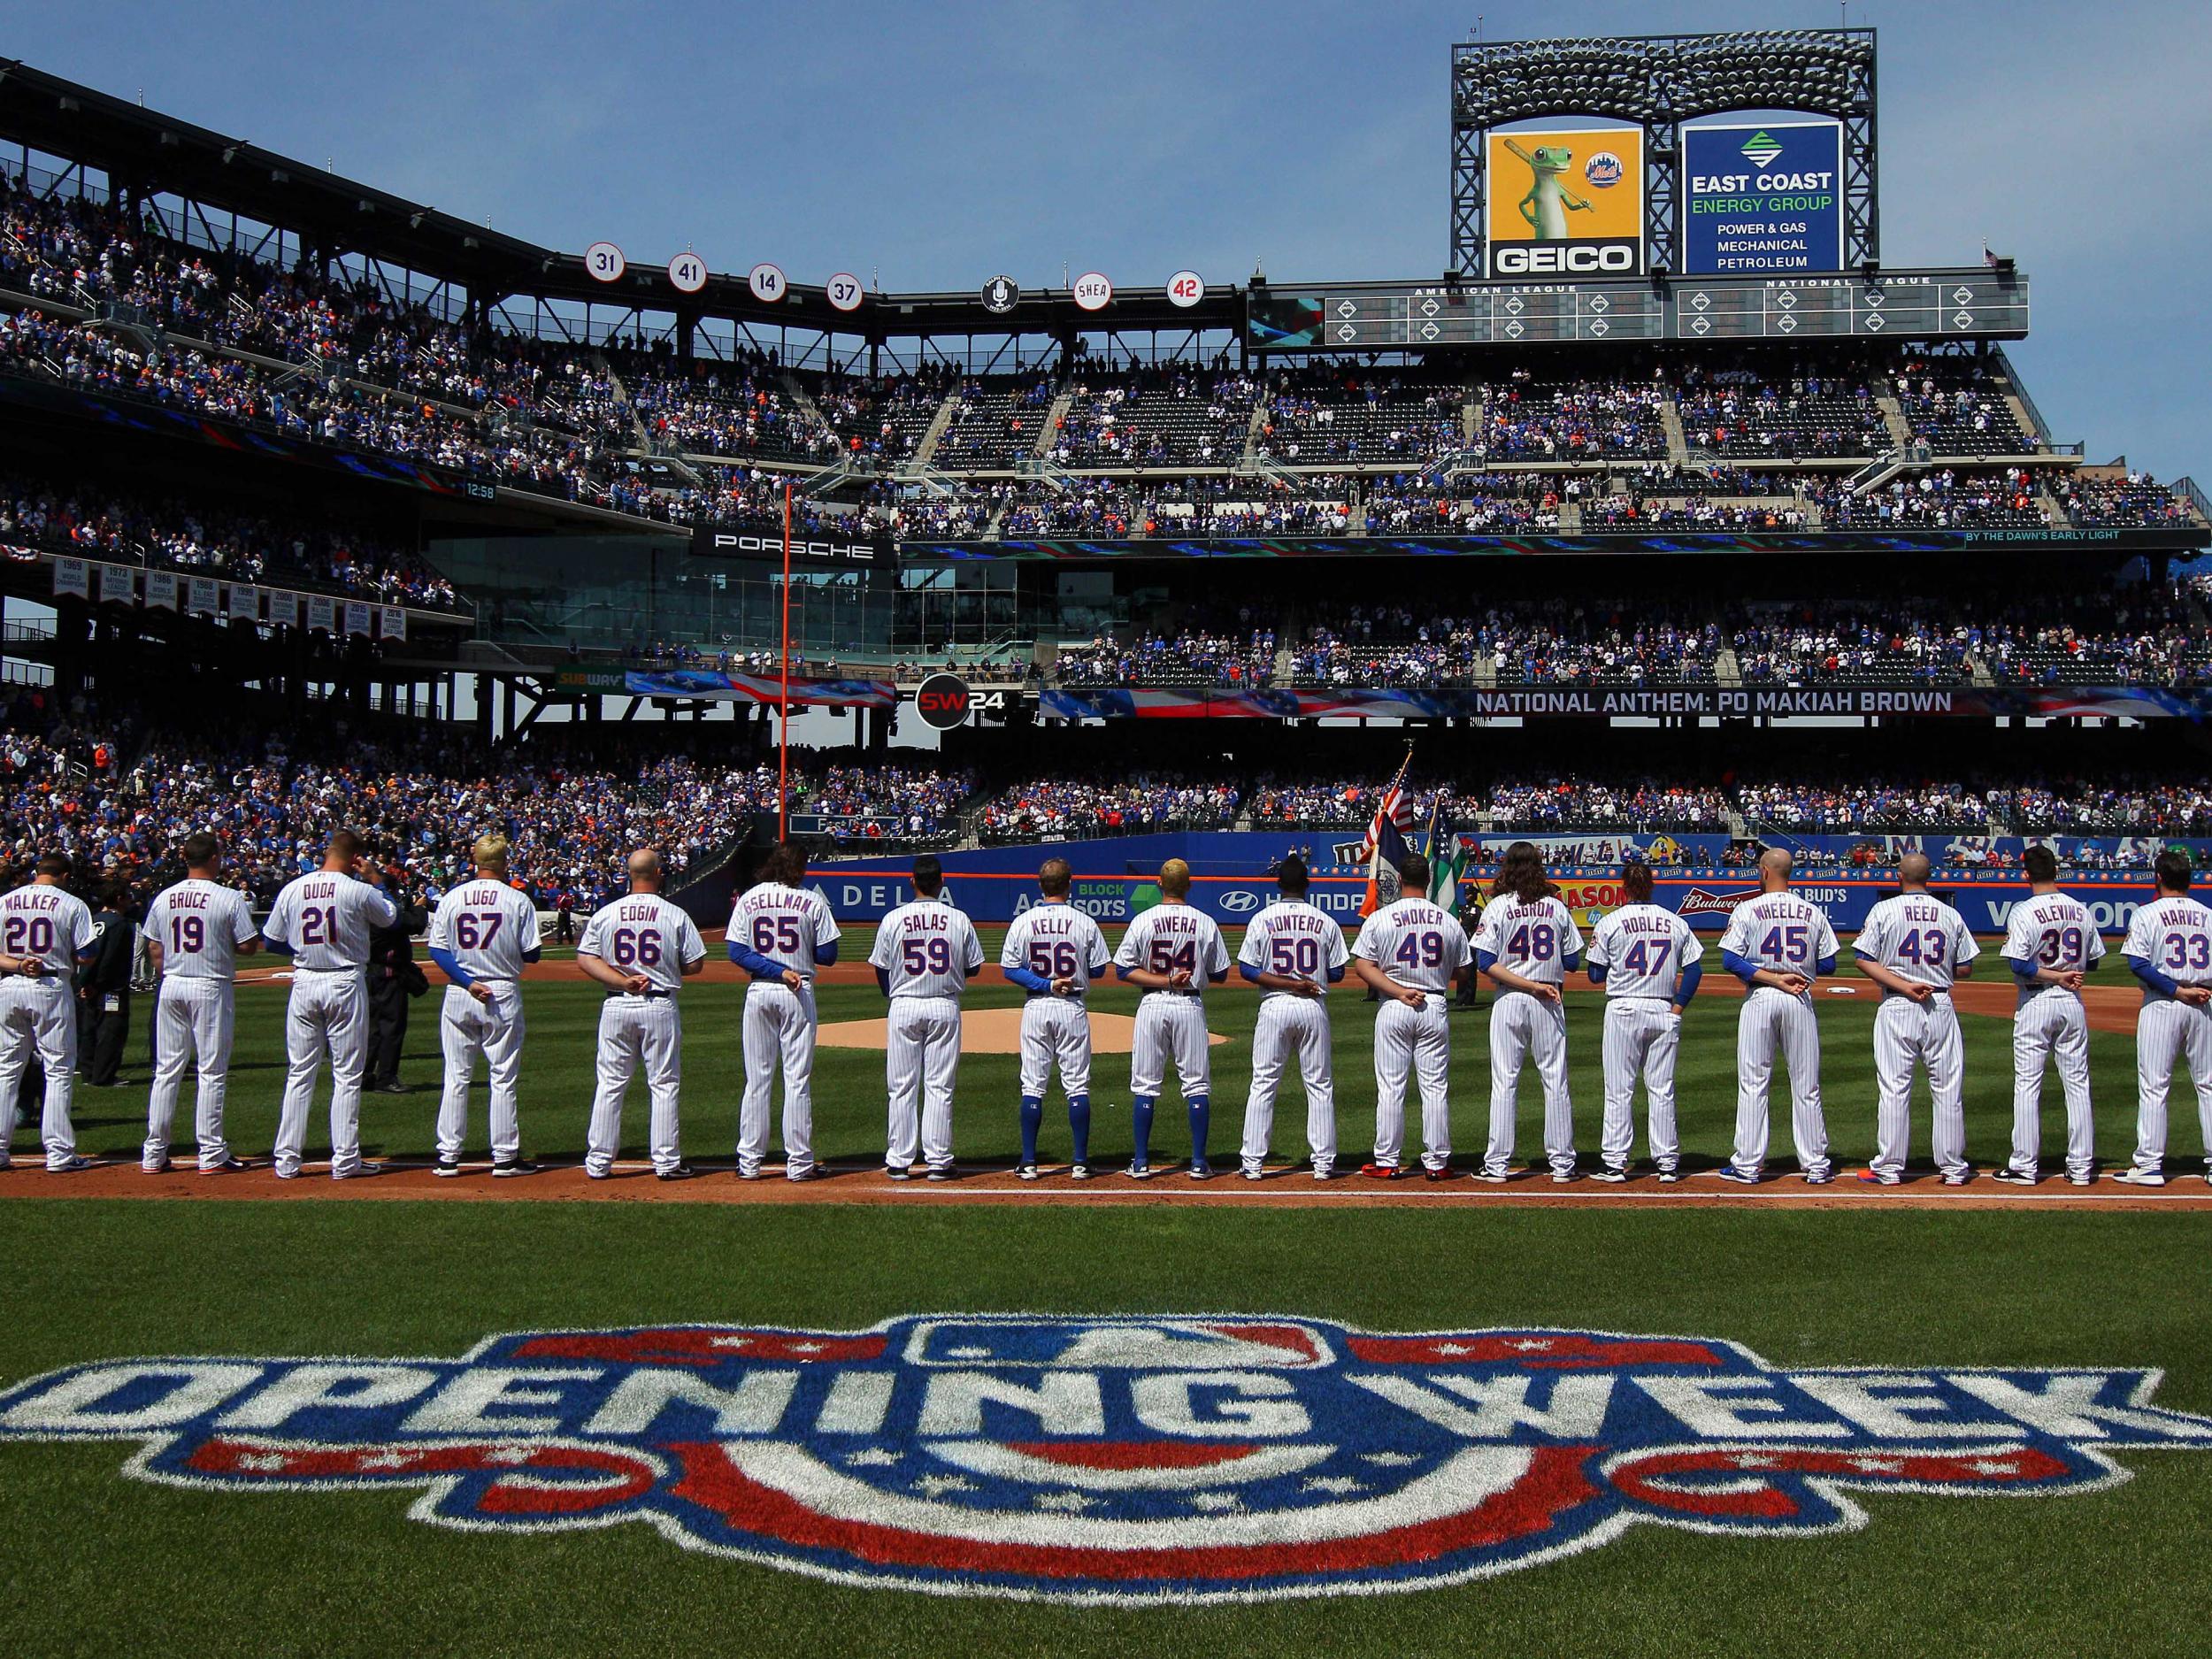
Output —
<point x="1549" y="201"/>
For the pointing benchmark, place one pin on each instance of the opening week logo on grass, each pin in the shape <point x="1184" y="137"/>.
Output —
<point x="1115" y="1461"/>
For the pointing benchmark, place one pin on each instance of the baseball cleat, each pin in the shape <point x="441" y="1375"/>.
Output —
<point x="808" y="1173"/>
<point x="514" y="1166"/>
<point x="160" y="1167"/>
<point x="1027" y="1172"/>
<point x="69" y="1165"/>
<point x="675" y="1172"/>
<point x="1957" y="1177"/>
<point x="285" y="1175"/>
<point x="1741" y="1177"/>
<point x="1079" y="1172"/>
<point x="1496" y="1178"/>
<point x="447" y="1166"/>
<point x="1327" y="1173"/>
<point x="1253" y="1173"/>
<point x="751" y="1174"/>
<point x="897" y="1173"/>
<point x="2012" y="1176"/>
<point x="1874" y="1178"/>
<point x="598" y="1175"/>
<point x="1380" y="1171"/>
<point x="2081" y="1178"/>
<point x="1438" y="1172"/>
<point x="1569" y="1173"/>
<point x="1200" y="1171"/>
<point x="6" y="1163"/>
<point x="942" y="1172"/>
<point x="1816" y="1178"/>
<point x="1612" y="1174"/>
<point x="228" y="1166"/>
<point x="1670" y="1175"/>
<point x="2141" y="1178"/>
<point x="359" y="1171"/>
<point x="1137" y="1171"/>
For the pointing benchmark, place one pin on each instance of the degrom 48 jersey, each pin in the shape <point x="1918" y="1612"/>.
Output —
<point x="1533" y="940"/>
<point x="325" y="918"/>
<point x="2174" y="935"/>
<point x="928" y="948"/>
<point x="1056" y="942"/>
<point x="199" y="925"/>
<point x="1296" y="940"/>
<point x="1419" y="945"/>
<point x="642" y="933"/>
<point x="1781" y="932"/>
<point x="47" y="923"/>
<point x="1643" y="950"/>
<point x="2052" y="930"/>
<point x="1919" y="936"/>
<point x="488" y="926"/>
<point x="788" y="926"/>
<point x="1174" y="939"/>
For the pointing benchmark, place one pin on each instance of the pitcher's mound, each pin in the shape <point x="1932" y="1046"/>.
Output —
<point x="990" y="1031"/>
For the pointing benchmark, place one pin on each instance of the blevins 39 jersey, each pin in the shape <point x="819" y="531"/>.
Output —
<point x="325" y="917"/>
<point x="1416" y="944"/>
<point x="1919" y="936"/>
<point x="642" y="933"/>
<point x="47" y="923"/>
<point x="1781" y="932"/>
<point x="2174" y="935"/>
<point x="1174" y="939"/>
<point x="1296" y="940"/>
<point x="1643" y="950"/>
<point x="1056" y="942"/>
<point x="199" y="926"/>
<point x="788" y="926"/>
<point x="488" y="926"/>
<point x="2052" y="930"/>
<point x="1533" y="940"/>
<point x="928" y="948"/>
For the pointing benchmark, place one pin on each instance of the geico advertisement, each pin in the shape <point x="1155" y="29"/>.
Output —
<point x="1568" y="204"/>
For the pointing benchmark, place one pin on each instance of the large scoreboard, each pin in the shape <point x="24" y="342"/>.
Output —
<point x="1976" y="303"/>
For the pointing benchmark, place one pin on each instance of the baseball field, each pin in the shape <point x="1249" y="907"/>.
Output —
<point x="114" y="1265"/>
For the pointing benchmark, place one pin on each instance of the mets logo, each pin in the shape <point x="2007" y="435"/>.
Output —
<point x="1603" y="169"/>
<point x="1113" y="1460"/>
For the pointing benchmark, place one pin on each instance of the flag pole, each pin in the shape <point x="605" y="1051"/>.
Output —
<point x="783" y="722"/>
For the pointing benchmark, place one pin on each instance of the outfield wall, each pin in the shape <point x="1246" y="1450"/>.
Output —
<point x="1116" y="878"/>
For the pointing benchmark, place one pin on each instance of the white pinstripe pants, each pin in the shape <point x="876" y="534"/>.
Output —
<point x="1907" y="1034"/>
<point x="921" y="1058"/>
<point x="1523" y="1028"/>
<point x="637" y="1033"/>
<point x="1643" y="1035"/>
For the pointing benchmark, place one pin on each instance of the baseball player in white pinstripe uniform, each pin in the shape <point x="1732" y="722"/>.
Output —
<point x="1409" y="953"/>
<point x="45" y="933"/>
<point x="482" y="934"/>
<point x="641" y="948"/>
<point x="1527" y="942"/>
<point x="1778" y="944"/>
<point x="1293" y="953"/>
<point x="2169" y="950"/>
<point x="1055" y="952"/>
<point x="1173" y="952"/>
<point x="2051" y="943"/>
<point x="779" y="934"/>
<point x="925" y="953"/>
<point x="1647" y="958"/>
<point x="1915" y="946"/>
<point x="196" y="931"/>
<point x="322" y="921"/>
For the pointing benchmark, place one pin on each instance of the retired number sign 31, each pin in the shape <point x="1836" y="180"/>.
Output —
<point x="1118" y="1460"/>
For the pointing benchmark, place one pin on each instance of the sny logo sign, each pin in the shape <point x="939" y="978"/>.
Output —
<point x="1113" y="1461"/>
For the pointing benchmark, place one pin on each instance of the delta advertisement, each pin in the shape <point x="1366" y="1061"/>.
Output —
<point x="1767" y="198"/>
<point x="1565" y="203"/>
<point x="1115" y="879"/>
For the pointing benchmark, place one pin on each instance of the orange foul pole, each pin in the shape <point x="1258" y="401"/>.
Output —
<point x="783" y="723"/>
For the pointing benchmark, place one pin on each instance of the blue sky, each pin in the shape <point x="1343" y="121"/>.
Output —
<point x="938" y="144"/>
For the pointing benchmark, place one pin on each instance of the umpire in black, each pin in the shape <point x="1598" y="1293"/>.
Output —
<point x="395" y="979"/>
<point x="103" y="989"/>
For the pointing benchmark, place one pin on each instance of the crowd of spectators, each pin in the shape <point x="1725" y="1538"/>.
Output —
<point x="1057" y="807"/>
<point x="1194" y="655"/>
<point x="1902" y="804"/>
<point x="1585" y="421"/>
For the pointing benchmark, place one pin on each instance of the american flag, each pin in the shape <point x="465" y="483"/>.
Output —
<point x="1395" y="807"/>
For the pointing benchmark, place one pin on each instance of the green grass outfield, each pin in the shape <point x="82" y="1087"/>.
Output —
<point x="93" y="1562"/>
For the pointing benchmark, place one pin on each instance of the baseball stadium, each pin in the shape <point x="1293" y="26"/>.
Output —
<point x="697" y="958"/>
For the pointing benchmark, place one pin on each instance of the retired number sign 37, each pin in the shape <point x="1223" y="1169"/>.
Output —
<point x="1113" y="1461"/>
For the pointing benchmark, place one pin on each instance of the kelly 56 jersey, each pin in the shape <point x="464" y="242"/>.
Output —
<point x="1056" y="942"/>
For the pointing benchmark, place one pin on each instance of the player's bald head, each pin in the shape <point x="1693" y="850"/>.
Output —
<point x="1914" y="869"/>
<point x="1774" y="864"/>
<point x="644" y="866"/>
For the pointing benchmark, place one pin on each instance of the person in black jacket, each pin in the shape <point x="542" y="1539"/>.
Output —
<point x="395" y="979"/>
<point x="103" y="989"/>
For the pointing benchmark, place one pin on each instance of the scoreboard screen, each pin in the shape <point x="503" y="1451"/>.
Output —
<point x="1976" y="303"/>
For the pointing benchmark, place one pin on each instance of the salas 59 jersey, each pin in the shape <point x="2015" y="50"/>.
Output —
<point x="928" y="948"/>
<point x="1056" y="942"/>
<point x="1531" y="937"/>
<point x="2052" y="930"/>
<point x="788" y="926"/>
<point x="1420" y="946"/>
<point x="1296" y="940"/>
<point x="1172" y="939"/>
<point x="1643" y="950"/>
<point x="488" y="926"/>
<point x="1781" y="932"/>
<point x="2173" y="934"/>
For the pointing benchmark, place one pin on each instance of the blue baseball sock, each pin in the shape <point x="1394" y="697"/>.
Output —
<point x="1141" y="1114"/>
<point x="1079" y="1126"/>
<point x="1033" y="1114"/>
<point x="1201" y="1118"/>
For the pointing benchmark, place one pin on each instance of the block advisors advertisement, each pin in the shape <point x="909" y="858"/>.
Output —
<point x="1567" y="202"/>
<point x="1763" y="198"/>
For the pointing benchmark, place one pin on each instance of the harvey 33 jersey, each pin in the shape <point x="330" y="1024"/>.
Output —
<point x="1419" y="945"/>
<point x="2173" y="934"/>
<point x="1643" y="950"/>
<point x="199" y="926"/>
<point x="488" y="926"/>
<point x="1057" y="942"/>
<point x="1781" y="932"/>
<point x="1174" y="939"/>
<point x="1533" y="940"/>
<point x="928" y="948"/>
<point x="642" y="933"/>
<point x="1296" y="940"/>
<point x="788" y="926"/>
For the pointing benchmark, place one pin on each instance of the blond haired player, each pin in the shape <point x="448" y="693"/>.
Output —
<point x="1056" y="953"/>
<point x="1293" y="953"/>
<point x="2051" y="944"/>
<point x="482" y="934"/>
<point x="1409" y="953"/>
<point x="925" y="953"/>
<point x="641" y="948"/>
<point x="1646" y="959"/>
<point x="1173" y="952"/>
<point x="195" y="931"/>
